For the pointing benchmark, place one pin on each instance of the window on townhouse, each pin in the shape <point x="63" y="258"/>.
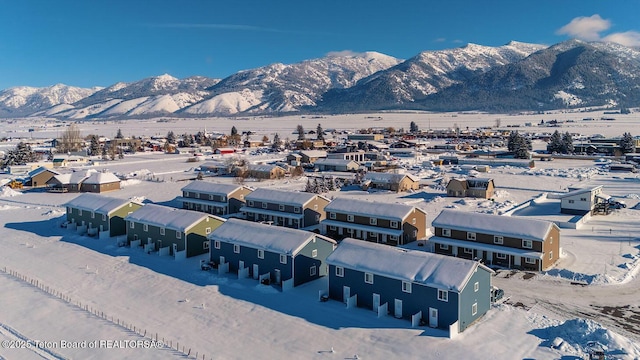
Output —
<point x="527" y="244"/>
<point x="332" y="228"/>
<point x="313" y="270"/>
<point x="471" y="236"/>
<point x="406" y="287"/>
<point x="583" y="199"/>
<point x="281" y="207"/>
<point x="394" y="224"/>
<point x="413" y="221"/>
<point x="332" y="215"/>
<point x="350" y="218"/>
<point x="339" y="271"/>
<point x="264" y="205"/>
<point x="476" y="286"/>
<point x="68" y="209"/>
<point x="205" y="245"/>
<point x="223" y="198"/>
<point x="260" y="254"/>
<point x="178" y="235"/>
<point x="571" y="201"/>
<point x="80" y="212"/>
<point x="211" y="197"/>
<point x="314" y="253"/>
<point x="250" y="203"/>
<point x="104" y="217"/>
<point x="216" y="244"/>
<point x="529" y="261"/>
<point x="368" y="278"/>
<point x="93" y="215"/>
<point x="145" y="227"/>
<point x="550" y="255"/>
<point x="501" y="256"/>
<point x="283" y="259"/>
<point x="443" y="295"/>
<point x="474" y="308"/>
<point x="236" y="248"/>
<point x="296" y="210"/>
<point x="498" y="240"/>
<point x="161" y="231"/>
<point x="393" y="237"/>
<point x="132" y="225"/>
<point x="443" y="246"/>
<point x="315" y="206"/>
<point x="468" y="251"/>
<point x="373" y="221"/>
<point x="207" y="231"/>
<point x="446" y="232"/>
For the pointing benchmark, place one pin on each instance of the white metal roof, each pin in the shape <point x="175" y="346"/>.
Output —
<point x="206" y="187"/>
<point x="101" y="178"/>
<point x="369" y="208"/>
<point x="511" y="226"/>
<point x="439" y="271"/>
<point x="97" y="203"/>
<point x="168" y="217"/>
<point x="275" y="239"/>
<point x="295" y="198"/>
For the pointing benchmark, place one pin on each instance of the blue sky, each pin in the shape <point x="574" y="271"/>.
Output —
<point x="98" y="43"/>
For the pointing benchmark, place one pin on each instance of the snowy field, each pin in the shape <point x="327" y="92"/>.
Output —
<point x="59" y="287"/>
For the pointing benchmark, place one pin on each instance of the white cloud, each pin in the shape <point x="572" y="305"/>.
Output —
<point x="585" y="28"/>
<point x="629" y="38"/>
<point x="440" y="40"/>
<point x="343" y="53"/>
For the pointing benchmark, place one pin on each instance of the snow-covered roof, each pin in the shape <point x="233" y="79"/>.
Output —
<point x="206" y="187"/>
<point x="578" y="191"/>
<point x="439" y="271"/>
<point x="479" y="183"/>
<point x="314" y="153"/>
<point x="97" y="203"/>
<point x="387" y="178"/>
<point x="101" y="178"/>
<point x="75" y="177"/>
<point x="369" y="208"/>
<point x="275" y="239"/>
<point x="295" y="198"/>
<point x="168" y="217"/>
<point x="263" y="167"/>
<point x="334" y="162"/>
<point x="40" y="170"/>
<point x="511" y="226"/>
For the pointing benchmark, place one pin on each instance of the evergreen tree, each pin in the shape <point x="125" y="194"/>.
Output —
<point x="276" y="141"/>
<point x="119" y="134"/>
<point x="413" y="127"/>
<point x="567" y="143"/>
<point x="21" y="155"/>
<point x="320" y="132"/>
<point x="514" y="141"/>
<point x="300" y="131"/>
<point x="627" y="143"/>
<point x="94" y="148"/>
<point x="555" y="143"/>
<point x="171" y="138"/>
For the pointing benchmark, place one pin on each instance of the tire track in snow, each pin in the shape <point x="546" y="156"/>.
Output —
<point x="13" y="335"/>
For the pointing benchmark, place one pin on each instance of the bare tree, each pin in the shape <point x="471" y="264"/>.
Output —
<point x="70" y="140"/>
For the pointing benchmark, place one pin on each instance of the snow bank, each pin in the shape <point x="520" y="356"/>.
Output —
<point x="9" y="192"/>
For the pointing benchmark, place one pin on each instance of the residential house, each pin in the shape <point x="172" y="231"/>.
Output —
<point x="357" y="156"/>
<point x="336" y="165"/>
<point x="439" y="291"/>
<point x="580" y="201"/>
<point x="177" y="232"/>
<point x="287" y="255"/>
<point x="69" y="160"/>
<point x="100" y="182"/>
<point x="311" y="156"/>
<point x="40" y="176"/>
<point x="392" y="224"/>
<point x="291" y="209"/>
<point x="106" y="214"/>
<point x="365" y="137"/>
<point x="389" y="181"/>
<point x="506" y="241"/>
<point x="483" y="188"/>
<point x="266" y="171"/>
<point x="67" y="182"/>
<point x="213" y="198"/>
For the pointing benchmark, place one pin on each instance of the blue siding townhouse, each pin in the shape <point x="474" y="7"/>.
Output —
<point x="286" y="254"/>
<point x="446" y="290"/>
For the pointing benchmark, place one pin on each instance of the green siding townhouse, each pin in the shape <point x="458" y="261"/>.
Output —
<point x="106" y="214"/>
<point x="177" y="232"/>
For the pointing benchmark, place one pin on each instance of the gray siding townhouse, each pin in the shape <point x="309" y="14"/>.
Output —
<point x="101" y="212"/>
<point x="291" y="209"/>
<point x="443" y="290"/>
<point x="161" y="226"/>
<point x="392" y="224"/>
<point x="213" y="198"/>
<point x="283" y="253"/>
<point x="506" y="241"/>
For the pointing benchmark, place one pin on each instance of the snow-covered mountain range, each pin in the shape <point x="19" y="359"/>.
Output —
<point x="516" y="76"/>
